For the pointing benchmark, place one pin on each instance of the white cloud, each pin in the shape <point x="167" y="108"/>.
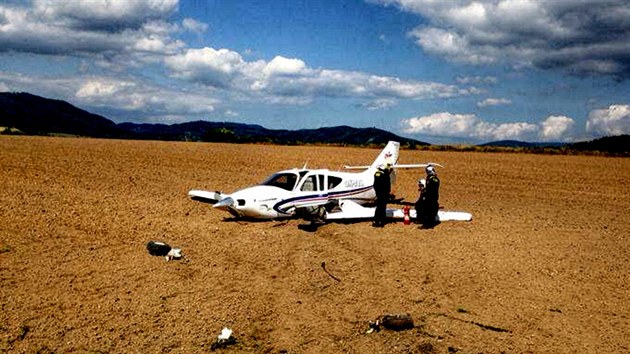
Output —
<point x="470" y="126"/>
<point x="473" y="15"/>
<point x="194" y="26"/>
<point x="614" y="120"/>
<point x="477" y="80"/>
<point x="100" y="88"/>
<point x="517" y="131"/>
<point x="579" y="37"/>
<point x="100" y="27"/>
<point x="211" y="67"/>
<point x="4" y="87"/>
<point x="118" y="99"/>
<point x="105" y="15"/>
<point x="381" y="103"/>
<point x="449" y="44"/>
<point x="494" y="102"/>
<point x="230" y="113"/>
<point x="556" y="128"/>
<point x="291" y="80"/>
<point x="442" y="124"/>
<point x="138" y="96"/>
<point x="284" y="66"/>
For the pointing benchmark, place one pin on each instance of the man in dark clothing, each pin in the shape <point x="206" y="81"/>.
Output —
<point x="382" y="187"/>
<point x="421" y="202"/>
<point x="428" y="204"/>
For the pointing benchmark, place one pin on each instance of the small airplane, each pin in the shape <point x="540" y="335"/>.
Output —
<point x="312" y="194"/>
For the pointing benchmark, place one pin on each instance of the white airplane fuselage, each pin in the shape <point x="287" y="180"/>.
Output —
<point x="285" y="192"/>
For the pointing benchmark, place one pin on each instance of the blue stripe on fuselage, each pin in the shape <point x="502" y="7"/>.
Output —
<point x="317" y="197"/>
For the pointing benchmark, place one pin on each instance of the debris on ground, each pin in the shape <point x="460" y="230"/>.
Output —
<point x="174" y="253"/>
<point x="162" y="249"/>
<point x="224" y="339"/>
<point x="395" y="322"/>
<point x="327" y="272"/>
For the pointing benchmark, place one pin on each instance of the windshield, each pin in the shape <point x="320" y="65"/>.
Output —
<point x="285" y="180"/>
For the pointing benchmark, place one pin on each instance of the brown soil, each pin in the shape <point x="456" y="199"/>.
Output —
<point x="543" y="267"/>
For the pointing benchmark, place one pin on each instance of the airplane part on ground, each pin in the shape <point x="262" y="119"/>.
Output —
<point x="205" y="196"/>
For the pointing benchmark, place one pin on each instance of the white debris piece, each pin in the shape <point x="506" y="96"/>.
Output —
<point x="225" y="335"/>
<point x="174" y="253"/>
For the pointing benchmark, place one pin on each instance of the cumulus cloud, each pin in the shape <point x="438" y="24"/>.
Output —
<point x="291" y="79"/>
<point x="103" y="15"/>
<point x="556" y="128"/>
<point x="493" y="102"/>
<point x="118" y="98"/>
<point x="580" y="37"/>
<point x="88" y="27"/>
<point x="208" y="66"/>
<point x="614" y="120"/>
<point x="138" y="96"/>
<point x="470" y="126"/>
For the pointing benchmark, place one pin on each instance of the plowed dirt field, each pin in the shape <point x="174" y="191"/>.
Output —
<point x="544" y="267"/>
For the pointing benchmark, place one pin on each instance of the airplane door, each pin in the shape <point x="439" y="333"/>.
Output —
<point x="314" y="183"/>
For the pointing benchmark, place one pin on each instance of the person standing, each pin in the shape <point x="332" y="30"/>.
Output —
<point x="430" y="199"/>
<point x="421" y="202"/>
<point x="382" y="187"/>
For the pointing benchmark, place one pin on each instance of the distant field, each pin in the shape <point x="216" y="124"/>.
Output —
<point x="543" y="267"/>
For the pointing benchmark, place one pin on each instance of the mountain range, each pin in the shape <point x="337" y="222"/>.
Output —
<point x="34" y="115"/>
<point x="24" y="113"/>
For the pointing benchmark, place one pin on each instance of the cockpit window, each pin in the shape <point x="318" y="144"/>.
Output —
<point x="282" y="180"/>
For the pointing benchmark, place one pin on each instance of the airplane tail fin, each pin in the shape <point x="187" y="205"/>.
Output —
<point x="389" y="155"/>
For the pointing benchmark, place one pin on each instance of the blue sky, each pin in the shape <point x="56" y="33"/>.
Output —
<point x="438" y="71"/>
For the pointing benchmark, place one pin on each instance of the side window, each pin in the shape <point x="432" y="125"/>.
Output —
<point x="309" y="185"/>
<point x="333" y="182"/>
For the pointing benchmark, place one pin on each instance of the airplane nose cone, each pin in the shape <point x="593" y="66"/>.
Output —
<point x="225" y="203"/>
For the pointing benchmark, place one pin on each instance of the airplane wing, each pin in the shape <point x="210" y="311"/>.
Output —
<point x="206" y="197"/>
<point x="418" y="165"/>
<point x="352" y="210"/>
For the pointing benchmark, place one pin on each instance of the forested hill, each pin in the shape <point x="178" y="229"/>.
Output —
<point x="35" y="115"/>
<point x="29" y="114"/>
